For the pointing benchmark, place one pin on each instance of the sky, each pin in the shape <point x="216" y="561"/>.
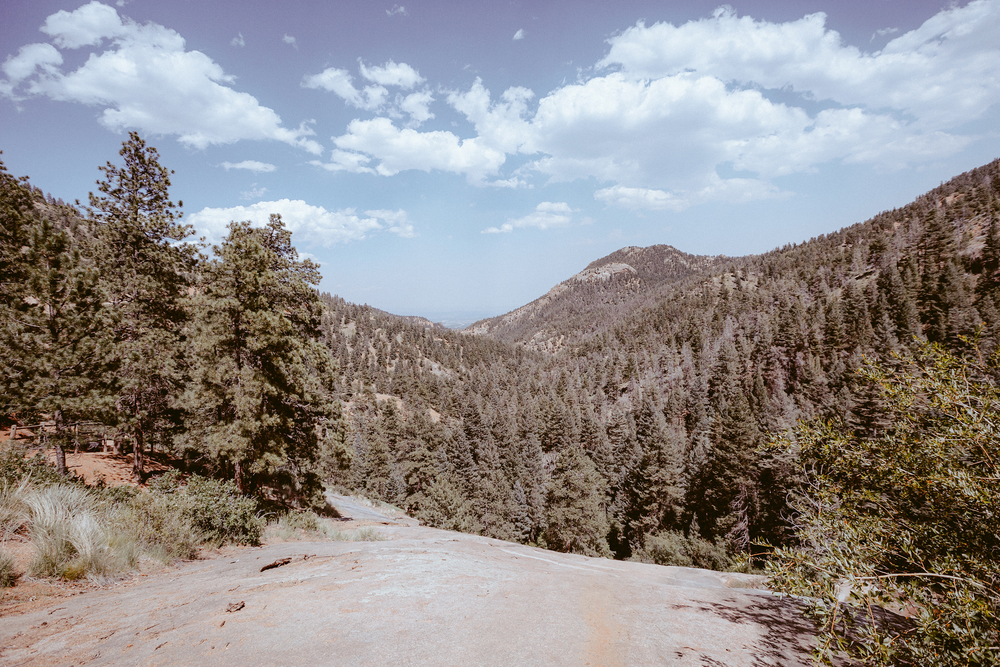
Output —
<point x="456" y="159"/>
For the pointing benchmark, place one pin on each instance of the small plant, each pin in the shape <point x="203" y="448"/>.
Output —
<point x="16" y="466"/>
<point x="307" y="521"/>
<point x="8" y="570"/>
<point x="367" y="534"/>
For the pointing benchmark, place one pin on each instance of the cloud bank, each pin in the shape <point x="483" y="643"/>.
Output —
<point x="145" y="79"/>
<point x="671" y="108"/>
<point x="312" y="225"/>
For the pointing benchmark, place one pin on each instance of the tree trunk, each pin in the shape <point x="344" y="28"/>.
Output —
<point x="57" y="439"/>
<point x="238" y="473"/>
<point x="137" y="457"/>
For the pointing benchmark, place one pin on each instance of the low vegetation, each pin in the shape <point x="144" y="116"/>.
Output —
<point x="904" y="515"/>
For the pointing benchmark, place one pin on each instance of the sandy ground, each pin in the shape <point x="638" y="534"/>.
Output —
<point x="419" y="597"/>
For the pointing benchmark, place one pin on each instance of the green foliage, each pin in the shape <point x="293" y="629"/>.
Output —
<point x="15" y="466"/>
<point x="675" y="548"/>
<point x="907" y="518"/>
<point x="140" y="236"/>
<point x="576" y="521"/>
<point x="259" y="396"/>
<point x="220" y="512"/>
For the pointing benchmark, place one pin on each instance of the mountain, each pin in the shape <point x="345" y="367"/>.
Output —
<point x="606" y="289"/>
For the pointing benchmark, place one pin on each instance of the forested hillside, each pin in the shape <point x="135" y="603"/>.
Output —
<point x="625" y="413"/>
<point x="685" y="367"/>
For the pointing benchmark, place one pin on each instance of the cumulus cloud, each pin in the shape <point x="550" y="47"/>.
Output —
<point x="375" y="97"/>
<point x="519" y="35"/>
<point x="238" y="40"/>
<point x="249" y="165"/>
<point x="396" y="10"/>
<point x="397" y="222"/>
<point x="669" y="105"/>
<point x="417" y="105"/>
<point x="345" y="161"/>
<point x="392" y="74"/>
<point x="147" y="80"/>
<point x="945" y="71"/>
<point x="312" y="225"/>
<point x="86" y="26"/>
<point x="401" y="149"/>
<point x="341" y="83"/>
<point x="288" y="39"/>
<point x="545" y="216"/>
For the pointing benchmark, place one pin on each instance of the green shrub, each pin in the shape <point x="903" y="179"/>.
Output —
<point x="8" y="570"/>
<point x="160" y="527"/>
<point x="15" y="466"/>
<point x="674" y="548"/>
<point x="307" y="521"/>
<point x="220" y="513"/>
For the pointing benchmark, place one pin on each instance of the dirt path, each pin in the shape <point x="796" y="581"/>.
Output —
<point x="421" y="597"/>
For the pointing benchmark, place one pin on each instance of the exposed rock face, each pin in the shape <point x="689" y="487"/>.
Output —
<point x="422" y="596"/>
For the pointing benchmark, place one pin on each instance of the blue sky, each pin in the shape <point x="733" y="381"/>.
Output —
<point x="457" y="159"/>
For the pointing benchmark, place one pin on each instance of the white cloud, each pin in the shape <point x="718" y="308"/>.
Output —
<point x="29" y="59"/>
<point x="86" y="26"/>
<point x="147" y="80"/>
<point x="253" y="193"/>
<point x="341" y="83"/>
<point x="501" y="125"/>
<point x="733" y="190"/>
<point x="680" y="102"/>
<point x="288" y="39"/>
<point x="944" y="72"/>
<point x="417" y="105"/>
<point x="249" y="165"/>
<point x="396" y="10"/>
<point x="398" y="222"/>
<point x="238" y="40"/>
<point x="402" y="149"/>
<point x="392" y="74"/>
<point x="346" y="161"/>
<point x="545" y="216"/>
<point x="519" y="35"/>
<point x="313" y="225"/>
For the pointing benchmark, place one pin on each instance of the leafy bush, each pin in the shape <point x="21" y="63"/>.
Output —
<point x="16" y="466"/>
<point x="674" y="548"/>
<point x="157" y="524"/>
<point x="219" y="512"/>
<point x="905" y="516"/>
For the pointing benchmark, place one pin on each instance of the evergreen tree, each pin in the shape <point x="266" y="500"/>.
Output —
<point x="261" y="378"/>
<point x="144" y="279"/>
<point x="576" y="521"/>
<point x="55" y="348"/>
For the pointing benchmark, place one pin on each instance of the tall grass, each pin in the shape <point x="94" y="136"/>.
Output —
<point x="78" y="531"/>
<point x="72" y="537"/>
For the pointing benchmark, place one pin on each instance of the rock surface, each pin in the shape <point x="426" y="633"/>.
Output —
<point x="420" y="597"/>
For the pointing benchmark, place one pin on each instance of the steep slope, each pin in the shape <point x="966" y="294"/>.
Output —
<point x="582" y="304"/>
